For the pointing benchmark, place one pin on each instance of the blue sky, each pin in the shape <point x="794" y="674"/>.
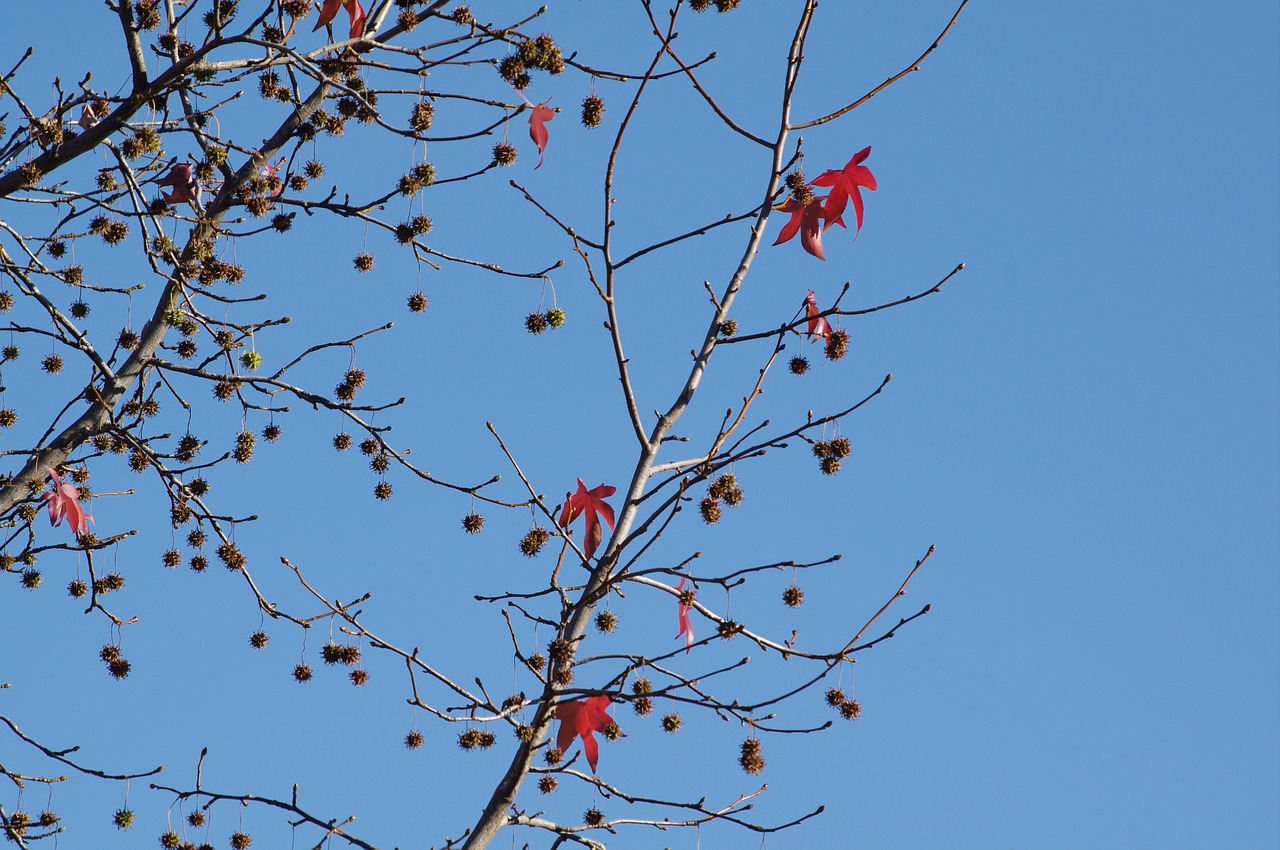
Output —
<point x="1085" y="422"/>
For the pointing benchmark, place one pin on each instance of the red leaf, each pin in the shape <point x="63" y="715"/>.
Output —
<point x="538" y="119"/>
<point x="582" y="718"/>
<point x="845" y="185"/>
<point x="64" y="501"/>
<point x="805" y="220"/>
<point x="589" y="503"/>
<point x="682" y="616"/>
<point x="183" y="180"/>
<point x="818" y="325"/>
<point x="354" y="10"/>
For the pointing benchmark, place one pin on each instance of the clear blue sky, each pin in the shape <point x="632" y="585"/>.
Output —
<point x="1086" y="422"/>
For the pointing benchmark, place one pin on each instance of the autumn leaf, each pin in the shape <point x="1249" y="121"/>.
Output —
<point x="591" y="504"/>
<point x="682" y="615"/>
<point x="64" y="501"/>
<point x="806" y="219"/>
<point x="539" y="115"/>
<point x="354" y="10"/>
<point x="182" y="178"/>
<point x="581" y="718"/>
<point x="845" y="186"/>
<point x="819" y="327"/>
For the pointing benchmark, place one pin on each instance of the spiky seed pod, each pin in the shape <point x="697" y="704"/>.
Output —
<point x="379" y="463"/>
<point x="671" y="723"/>
<point x="409" y="185"/>
<point x="79" y="309"/>
<point x="841" y="447"/>
<point x="641" y="686"/>
<point x="382" y="491"/>
<point x="197" y="539"/>
<point x="552" y="755"/>
<point x="421" y="224"/>
<point x="408" y="20"/>
<point x="830" y="465"/>
<point x="298" y="182"/>
<point x="723" y="6"/>
<point x="537" y="662"/>
<point x="6" y="302"/>
<point x="330" y="653"/>
<point x="850" y="709"/>
<point x="472" y="523"/>
<point x="123" y="819"/>
<point x="30" y="174"/>
<point x="138" y="460"/>
<point x="535" y="323"/>
<point x="282" y="222"/>
<point x="119" y="669"/>
<point x="524" y="733"/>
<point x="687" y="597"/>
<point x="198" y="563"/>
<point x="592" y="817"/>
<point x="342" y="441"/>
<point x="606" y="621"/>
<point x="101" y="442"/>
<point x="733" y="497"/>
<point x="99" y="586"/>
<point x="349" y="654"/>
<point x="642" y="706"/>
<point x="413" y="740"/>
<point x="73" y="275"/>
<point x="52" y="364"/>
<point x="257" y="206"/>
<point x="547" y="784"/>
<point x="721" y="486"/>
<point x="56" y="246"/>
<point x="837" y="344"/>
<point x="469" y="739"/>
<point x="592" y="110"/>
<point x="225" y="339"/>
<point x="404" y="233"/>
<point x="172" y="557"/>
<point x="77" y="588"/>
<point x="835" y="697"/>
<point x="170" y="840"/>
<point x="272" y="33"/>
<point x="462" y="16"/>
<point x="302" y="673"/>
<point x="795" y="179"/>
<point x="196" y="819"/>
<point x="513" y="701"/>
<point x="512" y="68"/>
<point x="347" y="107"/>
<point x="822" y="448"/>
<point x="109" y="653"/>
<point x="8" y="417"/>
<point x="793" y="597"/>
<point x="560" y="650"/>
<point x="533" y="541"/>
<point x="728" y="629"/>
<point x="240" y="841"/>
<point x="729" y="328"/>
<point x="359" y="677"/>
<point x="751" y="759"/>
<point x="798" y="365"/>
<point x="423" y="113"/>
<point x="258" y="640"/>
<point x="48" y="818"/>
<point x="187" y="349"/>
<point x="271" y="433"/>
<point x="425" y="173"/>
<point x="710" y="509"/>
<point x="563" y="676"/>
<point x="417" y="302"/>
<point x="31" y="579"/>
<point x="370" y="446"/>
<point x="344" y="392"/>
<point x="198" y="486"/>
<point x="113" y="581"/>
<point x="612" y="731"/>
<point x="231" y="556"/>
<point x="251" y="360"/>
<point x="504" y="153"/>
<point x="296" y="8"/>
<point x="555" y="317"/>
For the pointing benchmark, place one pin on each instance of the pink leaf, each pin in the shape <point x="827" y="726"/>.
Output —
<point x="682" y="616"/>
<point x="64" y="501"/>
<point x="819" y="327"/>
<point x="582" y="718"/>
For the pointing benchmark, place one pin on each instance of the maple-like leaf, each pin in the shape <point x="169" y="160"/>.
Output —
<point x="581" y="718"/>
<point x="591" y="504"/>
<point x="539" y="115"/>
<point x="64" y="501"/>
<point x="182" y="177"/>
<point x="819" y="327"/>
<point x="806" y="219"/>
<point x="845" y="186"/>
<point x="354" y="10"/>
<point x="682" y="615"/>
